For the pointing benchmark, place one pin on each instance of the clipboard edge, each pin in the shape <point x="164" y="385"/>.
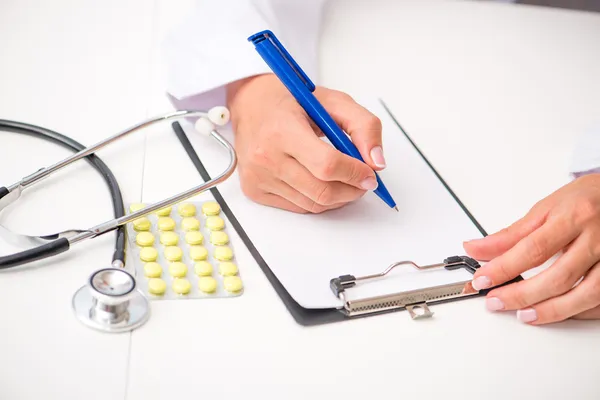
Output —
<point x="314" y="317"/>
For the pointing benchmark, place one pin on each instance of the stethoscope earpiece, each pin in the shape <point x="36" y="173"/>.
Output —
<point x="110" y="301"/>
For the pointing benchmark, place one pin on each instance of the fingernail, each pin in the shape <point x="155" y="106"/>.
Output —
<point x="483" y="282"/>
<point x="377" y="156"/>
<point x="369" y="184"/>
<point x="527" y="315"/>
<point x="494" y="304"/>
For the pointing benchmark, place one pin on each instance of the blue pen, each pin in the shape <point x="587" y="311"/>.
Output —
<point x="301" y="87"/>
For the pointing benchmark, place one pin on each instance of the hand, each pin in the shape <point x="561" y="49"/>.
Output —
<point x="567" y="224"/>
<point x="282" y="161"/>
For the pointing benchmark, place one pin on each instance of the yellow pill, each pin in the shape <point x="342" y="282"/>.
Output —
<point x="166" y="223"/>
<point x="203" y="268"/>
<point x="148" y="254"/>
<point x="194" y="237"/>
<point x="152" y="270"/>
<point x="187" y="210"/>
<point x="219" y="238"/>
<point x="207" y="284"/>
<point x="165" y="212"/>
<point x="142" y="224"/>
<point x="181" y="286"/>
<point x="223" y="253"/>
<point x="198" y="253"/>
<point x="215" y="223"/>
<point x="177" y="269"/>
<point x="190" y="224"/>
<point x="211" y="208"/>
<point x="232" y="284"/>
<point x="169" y="238"/>
<point x="228" y="268"/>
<point x="173" y="253"/>
<point x="144" y="239"/>
<point x="157" y="286"/>
<point x="136" y="207"/>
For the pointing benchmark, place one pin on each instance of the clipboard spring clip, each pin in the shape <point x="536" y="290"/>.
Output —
<point x="411" y="300"/>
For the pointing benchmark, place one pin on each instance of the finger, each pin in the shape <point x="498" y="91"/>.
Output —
<point x="325" y="162"/>
<point x="552" y="282"/>
<point x="272" y="200"/>
<point x="584" y="297"/>
<point x="363" y="127"/>
<point x="530" y="252"/>
<point x="593" y="313"/>
<point x="258" y="183"/>
<point x="285" y="191"/>
<point x="319" y="192"/>
<point x="492" y="246"/>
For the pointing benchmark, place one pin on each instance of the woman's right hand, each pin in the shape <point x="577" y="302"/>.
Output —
<point x="282" y="161"/>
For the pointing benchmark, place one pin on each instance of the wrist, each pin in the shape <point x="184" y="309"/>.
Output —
<point x="253" y="95"/>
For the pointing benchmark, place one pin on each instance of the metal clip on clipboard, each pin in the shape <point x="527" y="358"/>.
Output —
<point x="415" y="301"/>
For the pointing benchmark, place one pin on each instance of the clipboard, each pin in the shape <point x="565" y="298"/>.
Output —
<point x="416" y="300"/>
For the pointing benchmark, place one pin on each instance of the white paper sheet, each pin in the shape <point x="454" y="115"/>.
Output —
<point x="306" y="251"/>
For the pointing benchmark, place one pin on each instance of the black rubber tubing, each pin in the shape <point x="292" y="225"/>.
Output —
<point x="37" y="253"/>
<point x="95" y="161"/>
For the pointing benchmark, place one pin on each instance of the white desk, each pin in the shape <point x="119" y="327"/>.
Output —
<point x="456" y="75"/>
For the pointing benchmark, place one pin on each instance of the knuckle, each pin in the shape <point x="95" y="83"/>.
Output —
<point x="551" y="313"/>
<point x="324" y="195"/>
<point x="316" y="208"/>
<point x="249" y="184"/>
<point x="502" y="272"/>
<point x="328" y="166"/>
<point x="587" y="210"/>
<point x="374" y="123"/>
<point x="595" y="289"/>
<point x="536" y="249"/>
<point x="519" y="299"/>
<point x="595" y="248"/>
<point x="259" y="156"/>
<point x="536" y="207"/>
<point x="562" y="283"/>
<point x="358" y="171"/>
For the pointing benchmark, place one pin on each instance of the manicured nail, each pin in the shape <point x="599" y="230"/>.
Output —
<point x="527" y="315"/>
<point x="377" y="156"/>
<point x="483" y="282"/>
<point x="494" y="304"/>
<point x="369" y="184"/>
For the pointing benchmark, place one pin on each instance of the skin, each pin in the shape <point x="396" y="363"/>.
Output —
<point x="566" y="224"/>
<point x="284" y="164"/>
<point x="282" y="161"/>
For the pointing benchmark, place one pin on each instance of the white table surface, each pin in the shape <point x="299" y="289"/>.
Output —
<point x="463" y="78"/>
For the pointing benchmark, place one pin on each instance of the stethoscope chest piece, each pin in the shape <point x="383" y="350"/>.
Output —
<point x="111" y="302"/>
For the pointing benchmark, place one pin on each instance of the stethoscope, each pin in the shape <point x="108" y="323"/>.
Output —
<point x="110" y="300"/>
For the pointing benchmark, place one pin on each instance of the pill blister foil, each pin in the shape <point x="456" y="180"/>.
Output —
<point x="136" y="265"/>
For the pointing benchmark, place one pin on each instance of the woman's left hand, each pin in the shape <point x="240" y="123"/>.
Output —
<point x="566" y="222"/>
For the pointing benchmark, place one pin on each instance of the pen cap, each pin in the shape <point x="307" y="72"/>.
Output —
<point x="270" y="36"/>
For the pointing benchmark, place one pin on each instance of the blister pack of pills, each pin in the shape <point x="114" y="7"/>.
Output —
<point x="183" y="252"/>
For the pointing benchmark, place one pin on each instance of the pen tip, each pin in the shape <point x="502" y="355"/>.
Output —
<point x="396" y="208"/>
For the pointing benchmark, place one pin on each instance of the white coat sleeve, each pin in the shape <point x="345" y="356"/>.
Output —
<point x="210" y="47"/>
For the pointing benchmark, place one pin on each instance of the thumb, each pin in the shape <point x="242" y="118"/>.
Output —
<point x="363" y="127"/>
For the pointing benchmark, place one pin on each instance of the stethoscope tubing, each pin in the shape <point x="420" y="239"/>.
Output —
<point x="63" y="244"/>
<point x="93" y="159"/>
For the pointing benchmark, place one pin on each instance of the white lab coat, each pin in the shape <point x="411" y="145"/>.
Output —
<point x="209" y="49"/>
